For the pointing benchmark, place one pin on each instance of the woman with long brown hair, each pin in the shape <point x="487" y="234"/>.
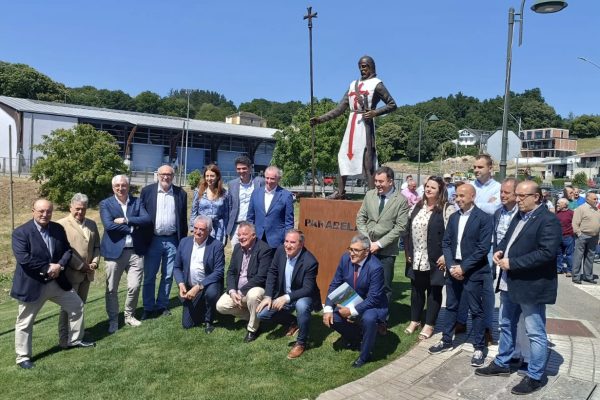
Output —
<point x="425" y="264"/>
<point x="210" y="199"/>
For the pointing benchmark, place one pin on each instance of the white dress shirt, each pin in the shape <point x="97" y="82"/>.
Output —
<point x="165" y="213"/>
<point x="197" y="273"/>
<point x="462" y="222"/>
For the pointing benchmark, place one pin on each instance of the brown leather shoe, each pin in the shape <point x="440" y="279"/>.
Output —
<point x="296" y="351"/>
<point x="292" y="330"/>
<point x="459" y="328"/>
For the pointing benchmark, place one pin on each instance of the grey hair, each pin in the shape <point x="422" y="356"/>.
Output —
<point x="298" y="231"/>
<point x="79" y="198"/>
<point x="275" y="169"/>
<point x="117" y="178"/>
<point x="360" y="238"/>
<point x="206" y="220"/>
<point x="249" y="225"/>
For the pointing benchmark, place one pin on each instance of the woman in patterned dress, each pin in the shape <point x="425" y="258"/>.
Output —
<point x="210" y="199"/>
<point x="425" y="264"/>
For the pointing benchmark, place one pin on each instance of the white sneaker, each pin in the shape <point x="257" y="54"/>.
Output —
<point x="132" y="321"/>
<point x="113" y="326"/>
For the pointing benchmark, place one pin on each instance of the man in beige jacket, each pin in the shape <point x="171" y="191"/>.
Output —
<point x="586" y="226"/>
<point x="84" y="238"/>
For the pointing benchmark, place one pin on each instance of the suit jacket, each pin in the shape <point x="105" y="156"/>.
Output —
<point x="275" y="221"/>
<point x="113" y="240"/>
<point x="33" y="260"/>
<point x="233" y="187"/>
<point x="369" y="284"/>
<point x="214" y="261"/>
<point x="474" y="246"/>
<point x="532" y="277"/>
<point x="387" y="227"/>
<point x="435" y="235"/>
<point x="148" y="199"/>
<point x="304" y="277"/>
<point x="86" y="249"/>
<point x="260" y="260"/>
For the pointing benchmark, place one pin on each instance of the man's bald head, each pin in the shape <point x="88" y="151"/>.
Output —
<point x="465" y="196"/>
<point x="42" y="211"/>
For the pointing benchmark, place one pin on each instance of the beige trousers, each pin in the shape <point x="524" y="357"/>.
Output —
<point x="81" y="286"/>
<point x="134" y="266"/>
<point x="68" y="300"/>
<point x="248" y="310"/>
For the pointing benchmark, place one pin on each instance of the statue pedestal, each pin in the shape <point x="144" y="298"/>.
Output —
<point x="328" y="226"/>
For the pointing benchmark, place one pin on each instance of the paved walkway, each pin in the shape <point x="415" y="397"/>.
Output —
<point x="573" y="369"/>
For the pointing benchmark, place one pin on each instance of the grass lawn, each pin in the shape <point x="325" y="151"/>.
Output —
<point x="585" y="145"/>
<point x="161" y="360"/>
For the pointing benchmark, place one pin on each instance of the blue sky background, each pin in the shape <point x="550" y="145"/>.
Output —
<point x="259" y="49"/>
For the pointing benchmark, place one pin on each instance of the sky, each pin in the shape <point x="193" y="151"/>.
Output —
<point x="259" y="49"/>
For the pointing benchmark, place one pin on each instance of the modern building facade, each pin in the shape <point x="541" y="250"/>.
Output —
<point x="145" y="140"/>
<point x="547" y="142"/>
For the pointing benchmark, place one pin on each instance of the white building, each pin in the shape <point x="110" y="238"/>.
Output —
<point x="146" y="140"/>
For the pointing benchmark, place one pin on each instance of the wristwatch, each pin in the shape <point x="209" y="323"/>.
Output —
<point x="62" y="268"/>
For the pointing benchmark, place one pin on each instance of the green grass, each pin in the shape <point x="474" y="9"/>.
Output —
<point x="586" y="145"/>
<point x="161" y="360"/>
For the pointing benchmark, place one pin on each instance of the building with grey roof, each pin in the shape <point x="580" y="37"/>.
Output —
<point x="146" y="140"/>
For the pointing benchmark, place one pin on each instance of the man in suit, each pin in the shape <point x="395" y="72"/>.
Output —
<point x="199" y="269"/>
<point x="271" y="209"/>
<point x="42" y="252"/>
<point x="465" y="246"/>
<point x="292" y="285"/>
<point x="123" y="249"/>
<point x="383" y="217"/>
<point x="528" y="280"/>
<point x="84" y="238"/>
<point x="167" y="206"/>
<point x="362" y="271"/>
<point x="240" y="190"/>
<point x="246" y="279"/>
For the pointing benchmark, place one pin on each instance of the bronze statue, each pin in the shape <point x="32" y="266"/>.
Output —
<point x="357" y="153"/>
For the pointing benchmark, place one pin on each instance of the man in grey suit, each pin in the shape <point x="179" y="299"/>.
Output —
<point x="240" y="190"/>
<point x="382" y="218"/>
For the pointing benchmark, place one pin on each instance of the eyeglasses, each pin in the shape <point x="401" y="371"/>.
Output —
<point x="523" y="195"/>
<point x="165" y="175"/>
<point x="355" y="251"/>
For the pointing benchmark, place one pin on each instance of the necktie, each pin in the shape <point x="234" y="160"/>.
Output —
<point x="356" y="266"/>
<point x="381" y="203"/>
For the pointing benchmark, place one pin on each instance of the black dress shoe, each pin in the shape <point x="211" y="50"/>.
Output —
<point x="27" y="364"/>
<point x="358" y="363"/>
<point x="250" y="336"/>
<point x="81" y="343"/>
<point x="354" y="346"/>
<point x="208" y="327"/>
<point x="147" y="315"/>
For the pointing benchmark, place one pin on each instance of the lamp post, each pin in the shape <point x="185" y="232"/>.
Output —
<point x="428" y="117"/>
<point x="589" y="61"/>
<point x="541" y="7"/>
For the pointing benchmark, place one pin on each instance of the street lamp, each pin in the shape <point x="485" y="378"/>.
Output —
<point x="542" y="7"/>
<point x="588" y="61"/>
<point x="429" y="117"/>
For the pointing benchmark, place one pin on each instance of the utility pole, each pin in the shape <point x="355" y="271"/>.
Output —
<point x="309" y="16"/>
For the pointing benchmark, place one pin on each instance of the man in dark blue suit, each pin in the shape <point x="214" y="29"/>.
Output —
<point x="240" y="190"/>
<point x="272" y="209"/>
<point x="199" y="270"/>
<point x="363" y="272"/>
<point x="167" y="206"/>
<point x="123" y="248"/>
<point x="465" y="246"/>
<point x="292" y="286"/>
<point x="42" y="252"/>
<point x="528" y="281"/>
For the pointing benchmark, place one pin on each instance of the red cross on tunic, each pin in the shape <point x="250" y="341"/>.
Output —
<point x="354" y="114"/>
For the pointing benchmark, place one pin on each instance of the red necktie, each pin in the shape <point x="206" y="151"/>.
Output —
<point x="356" y="274"/>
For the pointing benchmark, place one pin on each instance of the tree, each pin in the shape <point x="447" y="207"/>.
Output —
<point x="210" y="112"/>
<point x="147" y="102"/>
<point x="293" y="148"/>
<point x="80" y="159"/>
<point x="391" y="142"/>
<point x="585" y="126"/>
<point x="580" y="179"/>
<point x="20" y="80"/>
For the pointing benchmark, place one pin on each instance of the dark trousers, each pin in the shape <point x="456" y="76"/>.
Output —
<point x="421" y="291"/>
<point x="472" y="291"/>
<point x="303" y="307"/>
<point x="387" y="262"/>
<point x="365" y="329"/>
<point x="202" y="308"/>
